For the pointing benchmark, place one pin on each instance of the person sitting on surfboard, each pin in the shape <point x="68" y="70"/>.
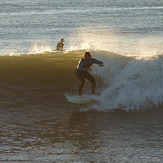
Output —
<point x="82" y="71"/>
<point x="60" y="45"/>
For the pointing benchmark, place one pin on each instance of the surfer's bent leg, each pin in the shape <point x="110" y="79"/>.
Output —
<point x="82" y="80"/>
<point x="89" y="77"/>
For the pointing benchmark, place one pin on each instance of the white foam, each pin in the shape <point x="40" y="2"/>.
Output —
<point x="131" y="84"/>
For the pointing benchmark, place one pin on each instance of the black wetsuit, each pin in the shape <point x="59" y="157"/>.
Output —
<point x="82" y="73"/>
<point x="60" y="46"/>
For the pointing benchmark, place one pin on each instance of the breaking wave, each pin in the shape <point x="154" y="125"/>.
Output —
<point x="43" y="79"/>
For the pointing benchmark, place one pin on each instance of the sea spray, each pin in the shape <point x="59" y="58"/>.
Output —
<point x="39" y="47"/>
<point x="114" y="40"/>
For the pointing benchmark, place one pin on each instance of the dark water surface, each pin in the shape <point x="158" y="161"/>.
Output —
<point x="64" y="134"/>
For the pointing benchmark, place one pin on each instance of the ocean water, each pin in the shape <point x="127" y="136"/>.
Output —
<point x="118" y="26"/>
<point x="38" y="124"/>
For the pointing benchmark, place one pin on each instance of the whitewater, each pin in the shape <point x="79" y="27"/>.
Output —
<point x="131" y="83"/>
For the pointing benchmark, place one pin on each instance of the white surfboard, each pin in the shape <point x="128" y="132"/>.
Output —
<point x="85" y="99"/>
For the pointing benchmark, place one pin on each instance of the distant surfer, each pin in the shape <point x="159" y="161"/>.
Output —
<point x="60" y="45"/>
<point x="82" y="71"/>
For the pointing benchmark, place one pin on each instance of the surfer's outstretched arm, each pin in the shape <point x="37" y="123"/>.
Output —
<point x="85" y="64"/>
<point x="100" y="63"/>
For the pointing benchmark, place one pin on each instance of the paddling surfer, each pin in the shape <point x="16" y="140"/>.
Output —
<point x="60" y="45"/>
<point x="82" y="71"/>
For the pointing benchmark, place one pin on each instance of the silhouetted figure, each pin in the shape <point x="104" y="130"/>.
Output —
<point x="82" y="71"/>
<point x="60" y="45"/>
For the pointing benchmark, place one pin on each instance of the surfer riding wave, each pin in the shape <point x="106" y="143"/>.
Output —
<point x="128" y="83"/>
<point x="82" y="71"/>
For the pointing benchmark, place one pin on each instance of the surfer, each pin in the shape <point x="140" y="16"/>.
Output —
<point x="82" y="71"/>
<point x="60" y="45"/>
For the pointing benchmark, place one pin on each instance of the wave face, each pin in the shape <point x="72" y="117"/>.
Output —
<point x="38" y="80"/>
<point x="43" y="79"/>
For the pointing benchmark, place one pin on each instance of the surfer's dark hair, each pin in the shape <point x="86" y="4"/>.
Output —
<point x="62" y="39"/>
<point x="87" y="53"/>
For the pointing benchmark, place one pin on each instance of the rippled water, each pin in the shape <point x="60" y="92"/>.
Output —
<point x="37" y="124"/>
<point x="65" y="134"/>
<point x="27" y="24"/>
